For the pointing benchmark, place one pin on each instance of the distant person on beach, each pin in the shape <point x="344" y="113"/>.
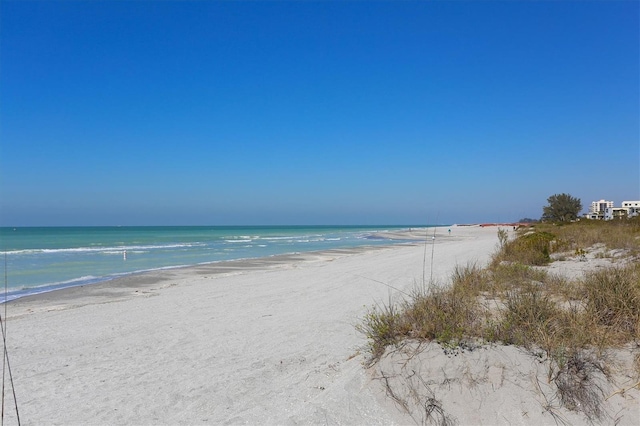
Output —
<point x="449" y="231"/>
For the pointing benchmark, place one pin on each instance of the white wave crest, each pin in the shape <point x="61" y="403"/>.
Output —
<point x="107" y="250"/>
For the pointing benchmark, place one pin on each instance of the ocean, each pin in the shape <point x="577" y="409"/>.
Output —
<point x="42" y="259"/>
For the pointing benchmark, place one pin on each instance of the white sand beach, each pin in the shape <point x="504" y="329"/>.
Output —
<point x="268" y="341"/>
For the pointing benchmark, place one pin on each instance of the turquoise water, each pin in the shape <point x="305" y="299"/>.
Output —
<point x="44" y="259"/>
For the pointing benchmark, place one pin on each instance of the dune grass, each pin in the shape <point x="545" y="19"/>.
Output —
<point x="571" y="322"/>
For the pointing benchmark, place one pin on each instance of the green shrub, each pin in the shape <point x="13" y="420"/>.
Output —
<point x="382" y="327"/>
<point x="529" y="249"/>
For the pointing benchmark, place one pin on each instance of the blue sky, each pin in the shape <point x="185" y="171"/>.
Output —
<point x="277" y="112"/>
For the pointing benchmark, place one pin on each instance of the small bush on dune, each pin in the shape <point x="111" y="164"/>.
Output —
<point x="383" y="326"/>
<point x="529" y="314"/>
<point x="442" y="315"/>
<point x="470" y="280"/>
<point x="529" y="249"/>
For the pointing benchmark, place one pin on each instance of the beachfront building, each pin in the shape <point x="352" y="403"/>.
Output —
<point x="628" y="209"/>
<point x="632" y="207"/>
<point x="605" y="210"/>
<point x="598" y="209"/>
<point x="600" y="206"/>
<point x="611" y="213"/>
<point x="594" y="216"/>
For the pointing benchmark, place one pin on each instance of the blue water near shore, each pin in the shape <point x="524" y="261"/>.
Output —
<point x="45" y="259"/>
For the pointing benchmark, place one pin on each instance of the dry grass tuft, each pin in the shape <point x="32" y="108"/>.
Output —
<point x="612" y="297"/>
<point x="442" y="314"/>
<point x="528" y="317"/>
<point x="581" y="381"/>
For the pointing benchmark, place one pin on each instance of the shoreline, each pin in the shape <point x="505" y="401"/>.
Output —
<point x="270" y="341"/>
<point x="140" y="279"/>
<point x="111" y="288"/>
<point x="384" y="237"/>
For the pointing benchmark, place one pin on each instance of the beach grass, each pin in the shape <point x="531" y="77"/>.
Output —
<point x="572" y="323"/>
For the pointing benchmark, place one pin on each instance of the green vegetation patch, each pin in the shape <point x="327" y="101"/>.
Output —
<point x="532" y="248"/>
<point x="571" y="322"/>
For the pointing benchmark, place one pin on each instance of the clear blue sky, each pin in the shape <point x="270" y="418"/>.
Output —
<point x="327" y="112"/>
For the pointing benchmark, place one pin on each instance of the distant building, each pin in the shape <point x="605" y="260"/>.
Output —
<point x="598" y="209"/>
<point x="600" y="206"/>
<point x="611" y="213"/>
<point x="604" y="210"/>
<point x="633" y="208"/>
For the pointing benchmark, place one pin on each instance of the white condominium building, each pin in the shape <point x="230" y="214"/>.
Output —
<point x="604" y="210"/>
<point x="600" y="206"/>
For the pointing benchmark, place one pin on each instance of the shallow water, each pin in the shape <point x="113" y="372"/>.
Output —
<point x="48" y="258"/>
